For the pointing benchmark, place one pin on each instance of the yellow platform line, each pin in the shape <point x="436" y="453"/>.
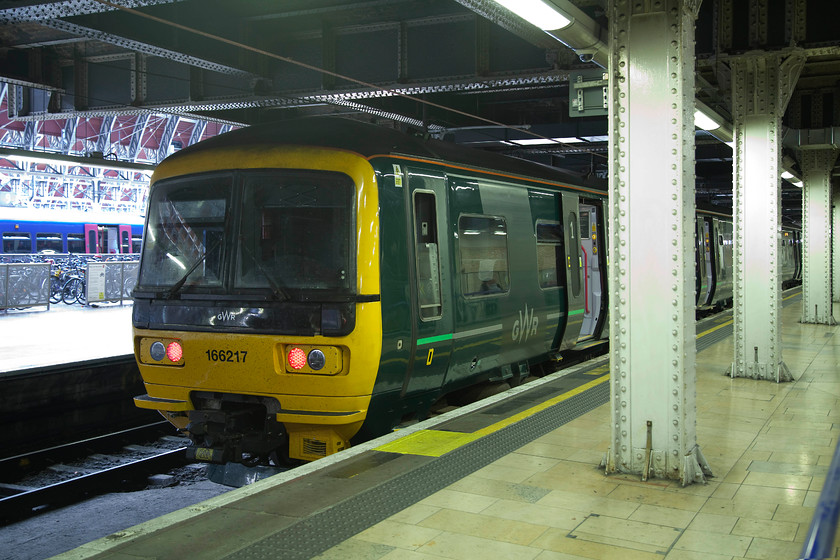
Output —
<point x="730" y="321"/>
<point x="434" y="443"/>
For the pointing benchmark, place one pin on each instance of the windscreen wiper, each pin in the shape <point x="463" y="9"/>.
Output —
<point x="180" y="283"/>
<point x="279" y="292"/>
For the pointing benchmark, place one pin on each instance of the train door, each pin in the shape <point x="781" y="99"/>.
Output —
<point x="432" y="309"/>
<point x="722" y="243"/>
<point x="91" y="238"/>
<point x="708" y="236"/>
<point x="125" y="239"/>
<point x="590" y="239"/>
<point x="575" y="296"/>
<point x="700" y="260"/>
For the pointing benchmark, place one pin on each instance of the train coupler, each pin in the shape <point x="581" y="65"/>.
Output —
<point x="209" y="454"/>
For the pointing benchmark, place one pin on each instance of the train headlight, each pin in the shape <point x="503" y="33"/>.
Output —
<point x="161" y="352"/>
<point x="316" y="359"/>
<point x="297" y="358"/>
<point x="157" y="351"/>
<point x="312" y="359"/>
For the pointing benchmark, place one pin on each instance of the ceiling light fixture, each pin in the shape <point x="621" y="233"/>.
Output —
<point x="537" y="12"/>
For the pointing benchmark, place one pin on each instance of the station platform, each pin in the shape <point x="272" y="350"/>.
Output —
<point x="64" y="334"/>
<point x="517" y="477"/>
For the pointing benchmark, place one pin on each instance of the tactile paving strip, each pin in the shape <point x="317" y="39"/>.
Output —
<point x="323" y="530"/>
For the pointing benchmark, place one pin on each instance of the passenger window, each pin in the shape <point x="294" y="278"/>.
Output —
<point x="17" y="242"/>
<point x="428" y="261"/>
<point x="584" y="225"/>
<point x="483" y="255"/>
<point x="48" y="242"/>
<point x="75" y="243"/>
<point x="549" y="254"/>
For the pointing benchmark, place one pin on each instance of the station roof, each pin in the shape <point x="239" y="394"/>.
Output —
<point x="139" y="79"/>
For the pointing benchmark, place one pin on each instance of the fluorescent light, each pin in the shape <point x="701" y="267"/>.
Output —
<point x="787" y="174"/>
<point x="704" y="122"/>
<point x="537" y="13"/>
<point x="176" y="260"/>
<point x="546" y="141"/>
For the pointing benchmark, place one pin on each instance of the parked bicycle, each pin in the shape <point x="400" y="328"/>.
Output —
<point x="74" y="289"/>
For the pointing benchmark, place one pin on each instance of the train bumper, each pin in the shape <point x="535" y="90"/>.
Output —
<point x="228" y="427"/>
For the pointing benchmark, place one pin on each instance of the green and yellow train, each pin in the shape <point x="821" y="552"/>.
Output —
<point x="314" y="283"/>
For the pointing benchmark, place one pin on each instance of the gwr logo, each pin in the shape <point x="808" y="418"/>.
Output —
<point x="226" y="316"/>
<point x="525" y="326"/>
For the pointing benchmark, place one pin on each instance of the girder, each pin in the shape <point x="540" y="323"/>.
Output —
<point x="41" y="11"/>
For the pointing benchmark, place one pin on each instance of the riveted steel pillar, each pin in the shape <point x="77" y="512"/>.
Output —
<point x="816" y="235"/>
<point x="835" y="245"/>
<point x="761" y="86"/>
<point x="651" y="273"/>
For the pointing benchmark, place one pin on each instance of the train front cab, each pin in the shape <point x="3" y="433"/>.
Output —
<point x="247" y="322"/>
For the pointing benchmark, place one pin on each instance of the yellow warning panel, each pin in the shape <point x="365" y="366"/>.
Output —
<point x="600" y="370"/>
<point x="431" y="443"/>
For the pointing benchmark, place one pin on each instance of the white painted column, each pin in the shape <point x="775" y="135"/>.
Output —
<point x="816" y="167"/>
<point x="651" y="273"/>
<point x="835" y="244"/>
<point x="761" y="86"/>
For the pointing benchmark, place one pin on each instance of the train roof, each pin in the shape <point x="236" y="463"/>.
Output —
<point x="370" y="140"/>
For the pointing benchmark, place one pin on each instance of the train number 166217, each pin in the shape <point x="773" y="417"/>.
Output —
<point x="226" y="355"/>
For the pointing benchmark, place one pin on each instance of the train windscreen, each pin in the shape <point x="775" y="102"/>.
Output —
<point x="251" y="232"/>
<point x="296" y="232"/>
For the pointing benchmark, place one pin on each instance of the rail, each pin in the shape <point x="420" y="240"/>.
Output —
<point x="819" y="541"/>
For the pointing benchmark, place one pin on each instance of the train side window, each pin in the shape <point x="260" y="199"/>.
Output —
<point x="17" y="242"/>
<point x="136" y="243"/>
<point x="549" y="253"/>
<point x="584" y="225"/>
<point x="428" y="261"/>
<point x="484" y="255"/>
<point x="48" y="242"/>
<point x="75" y="243"/>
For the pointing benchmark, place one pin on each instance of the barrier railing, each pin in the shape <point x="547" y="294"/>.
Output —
<point x="111" y="281"/>
<point x="24" y="285"/>
<point x="819" y="541"/>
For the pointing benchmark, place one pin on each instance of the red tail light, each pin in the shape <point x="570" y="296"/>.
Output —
<point x="174" y="351"/>
<point x="297" y="358"/>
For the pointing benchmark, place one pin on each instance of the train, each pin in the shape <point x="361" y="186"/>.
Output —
<point x="35" y="230"/>
<point x="310" y="284"/>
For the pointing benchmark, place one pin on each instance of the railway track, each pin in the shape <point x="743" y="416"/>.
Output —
<point x="64" y="474"/>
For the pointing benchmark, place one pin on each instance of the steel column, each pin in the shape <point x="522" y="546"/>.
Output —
<point x="835" y="245"/>
<point x="651" y="271"/>
<point x="816" y="235"/>
<point x="761" y="86"/>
